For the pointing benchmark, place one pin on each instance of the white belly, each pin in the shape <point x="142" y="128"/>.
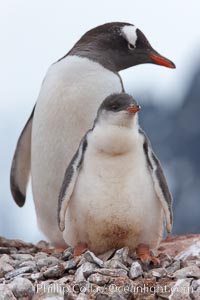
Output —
<point x="67" y="105"/>
<point x="114" y="204"/>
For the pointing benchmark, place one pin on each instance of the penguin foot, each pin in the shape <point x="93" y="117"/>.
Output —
<point x="144" y="254"/>
<point x="80" y="248"/>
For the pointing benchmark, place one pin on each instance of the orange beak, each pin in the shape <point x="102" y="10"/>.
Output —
<point x="133" y="109"/>
<point x="162" y="61"/>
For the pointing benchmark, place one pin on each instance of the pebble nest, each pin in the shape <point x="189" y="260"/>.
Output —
<point x="39" y="271"/>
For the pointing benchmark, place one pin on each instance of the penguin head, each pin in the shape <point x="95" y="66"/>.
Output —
<point x="118" y="46"/>
<point x="118" y="110"/>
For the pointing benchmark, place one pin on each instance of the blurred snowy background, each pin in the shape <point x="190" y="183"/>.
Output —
<point x="36" y="33"/>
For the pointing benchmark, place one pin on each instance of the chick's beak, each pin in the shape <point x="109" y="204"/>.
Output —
<point x="133" y="109"/>
<point x="161" y="60"/>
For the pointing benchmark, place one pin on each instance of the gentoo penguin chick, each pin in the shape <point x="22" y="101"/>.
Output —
<point x="70" y="95"/>
<point x="114" y="192"/>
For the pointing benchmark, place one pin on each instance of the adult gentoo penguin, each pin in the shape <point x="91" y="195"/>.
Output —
<point x="114" y="192"/>
<point x="70" y="95"/>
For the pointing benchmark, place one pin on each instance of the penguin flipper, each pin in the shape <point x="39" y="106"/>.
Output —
<point x="20" y="168"/>
<point x="160" y="183"/>
<point x="70" y="177"/>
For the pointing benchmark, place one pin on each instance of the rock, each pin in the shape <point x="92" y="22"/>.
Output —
<point x="192" y="252"/>
<point x="6" y="293"/>
<point x="18" y="272"/>
<point x="117" y="296"/>
<point x="28" y="263"/>
<point x="82" y="261"/>
<point x="90" y="257"/>
<point x="7" y="250"/>
<point x="99" y="279"/>
<point x="84" y="271"/>
<point x="111" y="272"/>
<point x="196" y="293"/>
<point x="195" y="284"/>
<point x="78" y="276"/>
<point x="46" y="262"/>
<point x="122" y="255"/>
<point x="164" y="288"/>
<point x="48" y="291"/>
<point x="187" y="272"/>
<point x="174" y="267"/>
<point x="165" y="260"/>
<point x="6" y="258"/>
<point x="87" y="269"/>
<point x="37" y="276"/>
<point x="82" y="296"/>
<point x="22" y="257"/>
<point x="68" y="253"/>
<point x="108" y="254"/>
<point x="135" y="270"/>
<point x="103" y="277"/>
<point x="149" y="297"/>
<point x="192" y="262"/>
<point x="181" y="290"/>
<point x="55" y="271"/>
<point x="14" y="243"/>
<point x="115" y="264"/>
<point x="103" y="297"/>
<point x="5" y="268"/>
<point x="159" y="272"/>
<point x="40" y="255"/>
<point x="22" y="287"/>
<point x="70" y="264"/>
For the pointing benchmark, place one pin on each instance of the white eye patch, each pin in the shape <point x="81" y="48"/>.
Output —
<point x="130" y="34"/>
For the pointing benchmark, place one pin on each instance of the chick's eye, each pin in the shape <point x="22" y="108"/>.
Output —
<point x="114" y="107"/>
<point x="131" y="47"/>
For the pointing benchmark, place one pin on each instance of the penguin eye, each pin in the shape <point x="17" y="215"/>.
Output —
<point x="131" y="47"/>
<point x="114" y="107"/>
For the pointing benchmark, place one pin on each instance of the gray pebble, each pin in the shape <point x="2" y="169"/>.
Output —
<point x="135" y="270"/>
<point x="28" y="263"/>
<point x="84" y="271"/>
<point x="55" y="271"/>
<point x="22" y="287"/>
<point x="90" y="257"/>
<point x="7" y="250"/>
<point x="46" y="262"/>
<point x="99" y="279"/>
<point x="165" y="260"/>
<point x="181" y="290"/>
<point x="6" y="258"/>
<point x="187" y="272"/>
<point x="37" y="276"/>
<point x="82" y="296"/>
<point x="115" y="264"/>
<point x="108" y="254"/>
<point x="111" y="272"/>
<point x="23" y="257"/>
<point x="174" y="267"/>
<point x="117" y="296"/>
<point x="196" y="294"/>
<point x="40" y="255"/>
<point x="17" y="272"/>
<point x="6" y="293"/>
<point x="102" y="297"/>
<point x="71" y="264"/>
<point x="192" y="252"/>
<point x="187" y="263"/>
<point x="122" y="255"/>
<point x="5" y="268"/>
<point x="68" y="253"/>
<point x="159" y="272"/>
